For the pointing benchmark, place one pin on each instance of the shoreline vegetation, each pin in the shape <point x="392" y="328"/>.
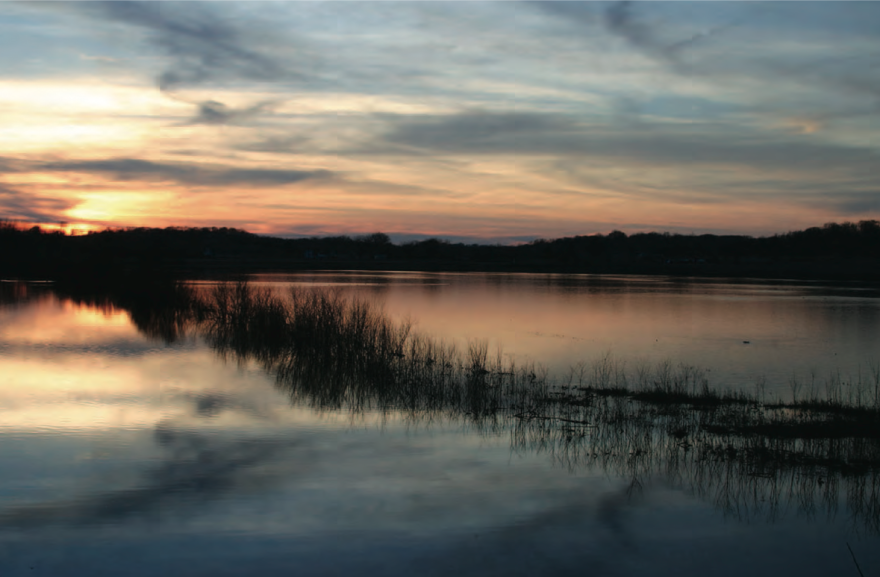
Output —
<point x="749" y="454"/>
<point x="836" y="251"/>
<point x="752" y="456"/>
<point x="332" y="349"/>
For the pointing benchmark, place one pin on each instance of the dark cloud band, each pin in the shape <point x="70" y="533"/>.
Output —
<point x="131" y="169"/>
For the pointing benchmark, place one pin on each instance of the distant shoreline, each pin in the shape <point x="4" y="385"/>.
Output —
<point x="845" y="252"/>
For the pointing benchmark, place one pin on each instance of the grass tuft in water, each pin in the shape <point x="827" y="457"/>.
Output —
<point x="747" y="454"/>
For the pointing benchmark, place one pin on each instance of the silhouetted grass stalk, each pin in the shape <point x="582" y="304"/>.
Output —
<point x="334" y="351"/>
<point x="744" y="453"/>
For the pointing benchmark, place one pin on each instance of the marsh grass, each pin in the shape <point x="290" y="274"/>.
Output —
<point x="749" y="456"/>
<point x="332" y="351"/>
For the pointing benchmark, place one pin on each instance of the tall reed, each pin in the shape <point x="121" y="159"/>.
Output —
<point x="335" y="351"/>
<point x="750" y="457"/>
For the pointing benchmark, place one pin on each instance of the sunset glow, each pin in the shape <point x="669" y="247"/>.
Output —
<point x="497" y="122"/>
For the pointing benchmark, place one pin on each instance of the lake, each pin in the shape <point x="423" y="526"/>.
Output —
<point x="133" y="441"/>
<point x="793" y="329"/>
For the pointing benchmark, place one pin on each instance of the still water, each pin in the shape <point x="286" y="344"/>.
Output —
<point x="793" y="330"/>
<point x="125" y="453"/>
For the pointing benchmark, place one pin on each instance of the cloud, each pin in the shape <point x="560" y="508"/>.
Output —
<point x="658" y="143"/>
<point x="285" y="144"/>
<point x="214" y="112"/>
<point x="22" y="206"/>
<point x="619" y="20"/>
<point x="793" y="57"/>
<point x="774" y="62"/>
<point x="477" y="131"/>
<point x="202" y="45"/>
<point x="852" y="203"/>
<point x="11" y="165"/>
<point x="680" y="163"/>
<point x="131" y="169"/>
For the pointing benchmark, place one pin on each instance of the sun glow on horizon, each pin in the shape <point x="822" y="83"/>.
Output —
<point x="133" y="123"/>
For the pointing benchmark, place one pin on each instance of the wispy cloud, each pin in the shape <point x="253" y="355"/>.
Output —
<point x="214" y="112"/>
<point x="621" y="20"/>
<point x="658" y="143"/>
<point x="416" y="115"/>
<point x="19" y="205"/>
<point x="129" y="169"/>
<point x="205" y="47"/>
<point x="202" y="45"/>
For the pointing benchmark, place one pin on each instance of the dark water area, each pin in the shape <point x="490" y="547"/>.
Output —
<point x="141" y="435"/>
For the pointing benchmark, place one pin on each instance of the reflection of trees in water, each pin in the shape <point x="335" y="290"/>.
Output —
<point x="14" y="293"/>
<point x="161" y="310"/>
<point x="752" y="460"/>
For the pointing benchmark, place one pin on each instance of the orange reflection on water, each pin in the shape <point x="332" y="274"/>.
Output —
<point x="50" y="320"/>
<point x="738" y="332"/>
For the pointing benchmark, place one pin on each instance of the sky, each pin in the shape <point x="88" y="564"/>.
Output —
<point x="487" y="122"/>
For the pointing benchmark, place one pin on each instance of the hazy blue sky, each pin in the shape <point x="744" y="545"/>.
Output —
<point x="502" y="120"/>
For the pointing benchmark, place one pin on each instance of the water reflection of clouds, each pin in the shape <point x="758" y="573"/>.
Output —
<point x="375" y="504"/>
<point x="87" y="391"/>
<point x="675" y="548"/>
<point x="220" y="452"/>
<point x="51" y="321"/>
<point x="349" y="479"/>
<point x="195" y="469"/>
<point x="211" y="403"/>
<point x="58" y="351"/>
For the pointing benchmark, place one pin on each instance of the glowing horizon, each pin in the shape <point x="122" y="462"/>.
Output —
<point x="490" y="122"/>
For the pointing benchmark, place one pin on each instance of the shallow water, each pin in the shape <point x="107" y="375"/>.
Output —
<point x="801" y="329"/>
<point x="126" y="454"/>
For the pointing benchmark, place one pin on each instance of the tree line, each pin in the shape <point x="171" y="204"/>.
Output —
<point x="846" y="249"/>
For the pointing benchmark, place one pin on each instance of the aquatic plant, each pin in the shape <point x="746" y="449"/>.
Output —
<point x="750" y="456"/>
<point x="330" y="351"/>
<point x="747" y="455"/>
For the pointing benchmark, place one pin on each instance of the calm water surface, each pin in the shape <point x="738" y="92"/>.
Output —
<point x="125" y="454"/>
<point x="792" y="329"/>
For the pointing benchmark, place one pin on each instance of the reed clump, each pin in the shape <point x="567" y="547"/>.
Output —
<point x="750" y="457"/>
<point x="333" y="351"/>
<point x="668" y="389"/>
